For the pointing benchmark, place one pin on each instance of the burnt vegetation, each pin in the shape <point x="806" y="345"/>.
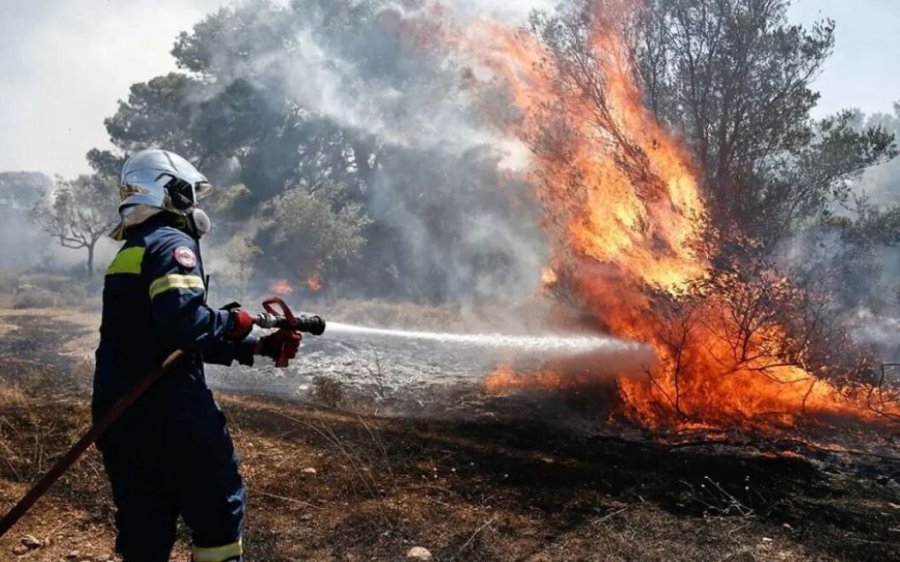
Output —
<point x="328" y="485"/>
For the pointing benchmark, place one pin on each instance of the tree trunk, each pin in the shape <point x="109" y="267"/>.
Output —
<point x="90" y="259"/>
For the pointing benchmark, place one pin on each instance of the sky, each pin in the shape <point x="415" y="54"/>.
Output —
<point x="864" y="71"/>
<point x="65" y="63"/>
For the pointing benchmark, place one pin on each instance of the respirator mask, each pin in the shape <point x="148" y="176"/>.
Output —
<point x="183" y="197"/>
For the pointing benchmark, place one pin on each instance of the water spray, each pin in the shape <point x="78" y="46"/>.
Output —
<point x="535" y="344"/>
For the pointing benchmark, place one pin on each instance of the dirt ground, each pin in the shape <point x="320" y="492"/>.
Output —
<point x="328" y="484"/>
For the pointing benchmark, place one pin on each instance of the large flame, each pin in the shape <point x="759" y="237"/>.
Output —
<point x="624" y="209"/>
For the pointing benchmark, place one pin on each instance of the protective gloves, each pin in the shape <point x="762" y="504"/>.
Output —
<point x="241" y="325"/>
<point x="280" y="346"/>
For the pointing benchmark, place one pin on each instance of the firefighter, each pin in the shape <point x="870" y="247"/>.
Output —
<point x="170" y="454"/>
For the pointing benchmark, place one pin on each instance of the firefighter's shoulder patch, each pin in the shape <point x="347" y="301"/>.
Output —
<point x="185" y="256"/>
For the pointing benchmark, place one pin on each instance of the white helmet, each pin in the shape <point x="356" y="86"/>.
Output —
<point x="155" y="180"/>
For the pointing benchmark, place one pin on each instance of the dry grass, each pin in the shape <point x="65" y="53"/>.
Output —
<point x="332" y="486"/>
<point x="29" y="290"/>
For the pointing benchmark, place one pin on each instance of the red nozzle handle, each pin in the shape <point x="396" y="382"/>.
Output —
<point x="285" y="312"/>
<point x="269" y="306"/>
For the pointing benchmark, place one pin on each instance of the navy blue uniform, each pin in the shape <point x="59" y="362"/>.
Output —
<point x="170" y="454"/>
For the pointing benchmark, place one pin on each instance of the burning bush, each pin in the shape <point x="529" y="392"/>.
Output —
<point x="746" y="346"/>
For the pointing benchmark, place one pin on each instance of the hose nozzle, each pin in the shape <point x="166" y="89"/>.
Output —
<point x="314" y="325"/>
<point x="310" y="324"/>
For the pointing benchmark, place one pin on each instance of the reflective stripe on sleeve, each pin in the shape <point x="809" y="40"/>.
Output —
<point x="127" y="261"/>
<point x="175" y="281"/>
<point x="218" y="553"/>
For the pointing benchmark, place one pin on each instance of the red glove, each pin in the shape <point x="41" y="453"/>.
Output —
<point x="281" y="346"/>
<point x="241" y="325"/>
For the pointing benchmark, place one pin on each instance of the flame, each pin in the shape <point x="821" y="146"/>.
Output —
<point x="281" y="287"/>
<point x="549" y="276"/>
<point x="504" y="379"/>
<point x="623" y="208"/>
<point x="314" y="283"/>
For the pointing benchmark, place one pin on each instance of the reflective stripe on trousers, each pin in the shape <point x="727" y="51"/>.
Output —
<point x="225" y="553"/>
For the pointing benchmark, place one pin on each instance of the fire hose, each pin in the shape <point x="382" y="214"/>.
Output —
<point x="281" y="318"/>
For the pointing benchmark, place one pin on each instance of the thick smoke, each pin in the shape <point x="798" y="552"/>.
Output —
<point x="445" y="190"/>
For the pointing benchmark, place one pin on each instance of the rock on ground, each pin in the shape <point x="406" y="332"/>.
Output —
<point x="419" y="553"/>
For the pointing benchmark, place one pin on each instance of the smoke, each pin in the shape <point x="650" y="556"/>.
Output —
<point x="24" y="247"/>
<point x="880" y="331"/>
<point x="882" y="183"/>
<point x="445" y="190"/>
<point x="860" y="272"/>
<point x="362" y="76"/>
<point x="20" y="245"/>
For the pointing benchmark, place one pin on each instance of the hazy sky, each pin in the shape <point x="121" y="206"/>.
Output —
<point x="65" y="63"/>
<point x="864" y="71"/>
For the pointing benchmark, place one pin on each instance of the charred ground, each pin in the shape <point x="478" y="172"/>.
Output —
<point x="331" y="485"/>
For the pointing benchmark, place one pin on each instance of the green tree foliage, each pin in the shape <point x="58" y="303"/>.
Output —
<point x="805" y="187"/>
<point x="77" y="213"/>
<point x="232" y="103"/>
<point x="736" y="77"/>
<point x="315" y="233"/>
<point x="158" y="112"/>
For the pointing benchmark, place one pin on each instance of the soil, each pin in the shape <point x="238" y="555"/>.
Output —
<point x="371" y="470"/>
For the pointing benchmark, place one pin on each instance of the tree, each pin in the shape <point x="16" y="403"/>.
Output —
<point x="242" y="254"/>
<point x="735" y="77"/>
<point x="804" y="188"/>
<point x="77" y="213"/>
<point x="332" y="93"/>
<point x="159" y="113"/>
<point x="316" y="233"/>
<point x="21" y="190"/>
<point x="882" y="183"/>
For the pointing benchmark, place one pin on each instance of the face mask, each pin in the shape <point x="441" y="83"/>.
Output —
<point x="201" y="222"/>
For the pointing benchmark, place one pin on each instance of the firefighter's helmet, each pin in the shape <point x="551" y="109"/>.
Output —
<point x="155" y="180"/>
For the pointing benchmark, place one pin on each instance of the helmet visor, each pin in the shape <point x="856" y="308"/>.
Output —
<point x="202" y="189"/>
<point x="184" y="194"/>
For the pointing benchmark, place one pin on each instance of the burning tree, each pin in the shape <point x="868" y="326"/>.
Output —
<point x="662" y="250"/>
<point x="77" y="213"/>
<point x="672" y="157"/>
